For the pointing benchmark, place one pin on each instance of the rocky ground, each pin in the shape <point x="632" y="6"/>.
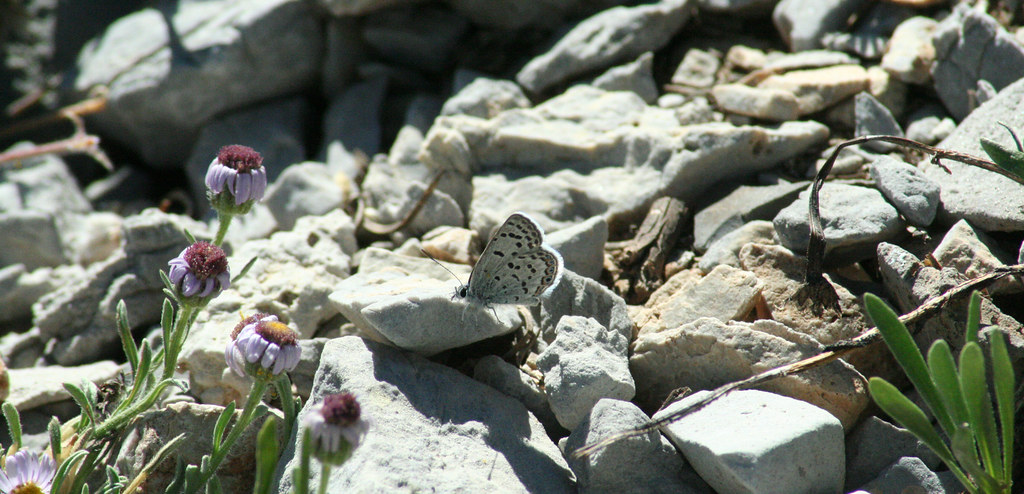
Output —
<point x="582" y="114"/>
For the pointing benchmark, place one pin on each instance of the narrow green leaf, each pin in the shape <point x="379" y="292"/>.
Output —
<point x="85" y="402"/>
<point x="188" y="236"/>
<point x="124" y="330"/>
<point x="213" y="485"/>
<point x="906" y="353"/>
<point x="244" y="270"/>
<point x="979" y="407"/>
<point x="222" y="424"/>
<point x="1003" y="380"/>
<point x="907" y="414"/>
<point x="965" y="452"/>
<point x="973" y="317"/>
<point x="1007" y="159"/>
<point x="53" y="428"/>
<point x="266" y="456"/>
<point x="177" y="484"/>
<point x="947" y="380"/>
<point x="65" y="467"/>
<point x="13" y="423"/>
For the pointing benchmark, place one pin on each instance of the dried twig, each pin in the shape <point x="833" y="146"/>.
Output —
<point x="382" y="229"/>
<point x="79" y="142"/>
<point x="831" y="353"/>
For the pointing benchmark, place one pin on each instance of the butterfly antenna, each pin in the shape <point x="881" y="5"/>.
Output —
<point x="442" y="266"/>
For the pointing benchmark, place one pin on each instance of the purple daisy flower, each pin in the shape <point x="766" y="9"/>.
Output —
<point x="201" y="269"/>
<point x="27" y="473"/>
<point x="239" y="170"/>
<point x="336" y="427"/>
<point x="262" y="346"/>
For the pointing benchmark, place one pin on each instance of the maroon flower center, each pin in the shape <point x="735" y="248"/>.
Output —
<point x="243" y="159"/>
<point x="245" y="322"/>
<point x="340" y="409"/>
<point x="276" y="332"/>
<point x="206" y="260"/>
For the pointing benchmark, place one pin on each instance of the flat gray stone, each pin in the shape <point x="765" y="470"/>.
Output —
<point x="641" y="464"/>
<point x="874" y="445"/>
<point x="910" y="474"/>
<point x="873" y="118"/>
<point x="726" y="249"/>
<point x="910" y="53"/>
<point x="304" y="189"/>
<point x="582" y="246"/>
<point x="611" y="37"/>
<point x="161" y="93"/>
<point x="971" y="193"/>
<point x="584" y="364"/>
<point x="854" y="219"/>
<point x="971" y="46"/>
<point x="485" y="98"/>
<point x="914" y="195"/>
<point x="416" y="312"/>
<point x="754" y="441"/>
<point x="30" y="238"/>
<point x="485" y="439"/>
<point x="636" y="77"/>
<point x="803" y="23"/>
<point x="744" y="204"/>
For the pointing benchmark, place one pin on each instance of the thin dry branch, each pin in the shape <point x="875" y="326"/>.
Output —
<point x="831" y="353"/>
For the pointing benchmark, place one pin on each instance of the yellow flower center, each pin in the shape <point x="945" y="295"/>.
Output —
<point x="27" y="488"/>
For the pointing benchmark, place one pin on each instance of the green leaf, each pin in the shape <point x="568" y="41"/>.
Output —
<point x="244" y="270"/>
<point x="213" y="485"/>
<point x="906" y="353"/>
<point x="1003" y="381"/>
<point x="124" y="330"/>
<point x="964" y="450"/>
<point x="909" y="415"/>
<point x="266" y="456"/>
<point x="222" y="423"/>
<point x="188" y="236"/>
<point x="13" y="423"/>
<point x="947" y="380"/>
<point x="65" y="467"/>
<point x="1008" y="159"/>
<point x="53" y="428"/>
<point x="979" y="407"/>
<point x="86" y="400"/>
<point x="177" y="484"/>
<point x="973" y="317"/>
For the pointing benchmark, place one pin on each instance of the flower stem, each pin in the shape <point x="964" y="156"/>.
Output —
<point x="224" y="221"/>
<point x="300" y="475"/>
<point x="222" y="450"/>
<point x="177" y="340"/>
<point x="325" y="473"/>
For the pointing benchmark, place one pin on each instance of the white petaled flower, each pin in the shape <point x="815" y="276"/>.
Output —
<point x="262" y="347"/>
<point x="336" y="428"/>
<point x="200" y="270"/>
<point x="27" y="473"/>
<point x="238" y="172"/>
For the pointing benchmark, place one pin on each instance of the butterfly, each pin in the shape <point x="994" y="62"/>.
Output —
<point x="516" y="267"/>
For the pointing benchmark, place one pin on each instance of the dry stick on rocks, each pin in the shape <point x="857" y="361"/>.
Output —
<point x="381" y="229"/>
<point x="832" y="352"/>
<point x="817" y="291"/>
<point x="823" y="294"/>
<point x="79" y="142"/>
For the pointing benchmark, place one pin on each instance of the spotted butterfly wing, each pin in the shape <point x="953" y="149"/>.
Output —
<point x="516" y="267"/>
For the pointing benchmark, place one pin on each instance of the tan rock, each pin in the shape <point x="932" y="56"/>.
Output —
<point x="818" y="89"/>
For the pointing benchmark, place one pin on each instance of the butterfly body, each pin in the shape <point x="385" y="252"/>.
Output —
<point x="516" y="266"/>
